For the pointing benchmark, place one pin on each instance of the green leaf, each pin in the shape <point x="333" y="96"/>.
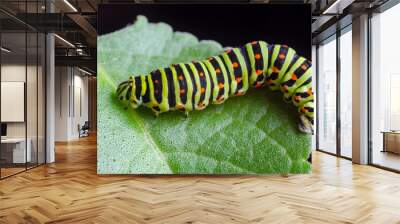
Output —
<point x="256" y="133"/>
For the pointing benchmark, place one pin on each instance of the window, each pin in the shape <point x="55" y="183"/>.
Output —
<point x="334" y="106"/>
<point x="385" y="89"/>
<point x="346" y="93"/>
<point x="327" y="96"/>
<point x="22" y="75"/>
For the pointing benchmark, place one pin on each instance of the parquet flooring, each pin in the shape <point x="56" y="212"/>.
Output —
<point x="70" y="191"/>
<point x="10" y="171"/>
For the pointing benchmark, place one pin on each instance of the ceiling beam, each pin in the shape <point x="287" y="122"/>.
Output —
<point x="81" y="61"/>
<point x="80" y="20"/>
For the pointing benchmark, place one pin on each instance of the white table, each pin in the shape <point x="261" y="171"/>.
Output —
<point x="19" y="154"/>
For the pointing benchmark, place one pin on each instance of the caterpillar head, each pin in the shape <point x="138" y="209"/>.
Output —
<point x="126" y="93"/>
<point x="306" y="125"/>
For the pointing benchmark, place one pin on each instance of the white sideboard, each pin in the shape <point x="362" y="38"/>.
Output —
<point x="19" y="154"/>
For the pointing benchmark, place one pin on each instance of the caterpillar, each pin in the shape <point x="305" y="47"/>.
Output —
<point x="193" y="86"/>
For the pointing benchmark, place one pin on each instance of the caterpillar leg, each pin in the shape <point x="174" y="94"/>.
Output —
<point x="307" y="117"/>
<point x="156" y="110"/>
<point x="306" y="125"/>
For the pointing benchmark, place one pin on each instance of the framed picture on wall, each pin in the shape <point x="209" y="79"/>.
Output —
<point x="204" y="89"/>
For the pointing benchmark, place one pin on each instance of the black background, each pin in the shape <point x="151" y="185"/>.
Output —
<point x="229" y="24"/>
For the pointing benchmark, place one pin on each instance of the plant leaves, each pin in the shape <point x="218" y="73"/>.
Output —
<point x="256" y="133"/>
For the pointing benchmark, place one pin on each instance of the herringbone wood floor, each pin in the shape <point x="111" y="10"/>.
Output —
<point x="70" y="191"/>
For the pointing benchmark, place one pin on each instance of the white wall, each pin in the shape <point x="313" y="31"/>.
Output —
<point x="80" y="110"/>
<point x="33" y="127"/>
<point x="62" y="81"/>
<point x="71" y="102"/>
<point x="12" y="73"/>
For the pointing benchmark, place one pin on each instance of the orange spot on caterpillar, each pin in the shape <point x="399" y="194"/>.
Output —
<point x="201" y="74"/>
<point x="303" y="110"/>
<point x="182" y="91"/>
<point x="220" y="98"/>
<point x="238" y="79"/>
<point x="259" y="71"/>
<point x="254" y="42"/>
<point x="239" y="94"/>
<point x="297" y="98"/>
<point x="269" y="81"/>
<point x="228" y="51"/>
<point x="180" y="106"/>
<point x="202" y="90"/>
<point x="281" y="56"/>
<point x="294" y="77"/>
<point x="275" y="70"/>
<point x="181" y="77"/>
<point x="235" y="64"/>
<point x="257" y="56"/>
<point x="156" y="81"/>
<point x="218" y="71"/>
<point x="284" y="46"/>
<point x="309" y="91"/>
<point x="304" y="67"/>
<point x="220" y="85"/>
<point x="259" y="85"/>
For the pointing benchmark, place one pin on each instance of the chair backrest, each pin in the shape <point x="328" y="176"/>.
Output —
<point x="86" y="125"/>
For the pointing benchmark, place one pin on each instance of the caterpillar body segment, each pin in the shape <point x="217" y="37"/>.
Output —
<point x="193" y="86"/>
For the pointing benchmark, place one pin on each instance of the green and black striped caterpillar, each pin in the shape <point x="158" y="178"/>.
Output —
<point x="193" y="86"/>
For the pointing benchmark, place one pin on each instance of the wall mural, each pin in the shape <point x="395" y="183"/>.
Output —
<point x="171" y="60"/>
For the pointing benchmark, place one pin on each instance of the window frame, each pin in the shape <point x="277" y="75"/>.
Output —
<point x="381" y="9"/>
<point x="334" y="37"/>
